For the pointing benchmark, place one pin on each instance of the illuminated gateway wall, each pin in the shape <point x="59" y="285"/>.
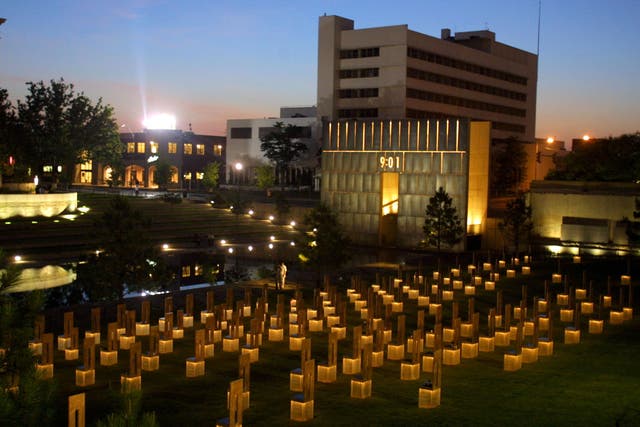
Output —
<point x="378" y="175"/>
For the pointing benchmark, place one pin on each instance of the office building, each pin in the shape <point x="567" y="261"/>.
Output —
<point x="396" y="73"/>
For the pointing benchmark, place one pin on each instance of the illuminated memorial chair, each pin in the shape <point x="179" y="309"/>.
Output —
<point x="132" y="381"/>
<point x="142" y="327"/>
<point x="410" y="369"/>
<point x="352" y="365"/>
<point x="86" y="374"/>
<point x="195" y="365"/>
<point x="235" y="405"/>
<point x="296" y="376"/>
<point x="44" y="368"/>
<point x="396" y="351"/>
<point x="64" y="340"/>
<point x="129" y="336"/>
<point x="109" y="356"/>
<point x="327" y="373"/>
<point x="302" y="404"/>
<point x="361" y="385"/>
<point x="95" y="326"/>
<point x="151" y="359"/>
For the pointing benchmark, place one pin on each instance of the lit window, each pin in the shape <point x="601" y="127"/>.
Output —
<point x="131" y="147"/>
<point x="141" y="147"/>
<point x="200" y="149"/>
<point x="197" y="270"/>
<point x="186" y="270"/>
<point x="199" y="175"/>
<point x="217" y="150"/>
<point x="188" y="148"/>
<point x="47" y="168"/>
<point x="173" y="148"/>
<point x="153" y="146"/>
<point x="187" y="175"/>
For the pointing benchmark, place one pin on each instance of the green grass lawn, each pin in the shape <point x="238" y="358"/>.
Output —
<point x="592" y="383"/>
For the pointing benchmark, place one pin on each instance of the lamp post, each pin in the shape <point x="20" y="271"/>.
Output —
<point x="238" y="166"/>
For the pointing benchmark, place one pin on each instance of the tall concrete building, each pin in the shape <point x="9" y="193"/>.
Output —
<point x="396" y="73"/>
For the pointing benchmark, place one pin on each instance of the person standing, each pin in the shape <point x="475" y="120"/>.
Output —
<point x="281" y="275"/>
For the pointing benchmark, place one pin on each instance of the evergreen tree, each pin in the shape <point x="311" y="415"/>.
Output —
<point x="442" y="225"/>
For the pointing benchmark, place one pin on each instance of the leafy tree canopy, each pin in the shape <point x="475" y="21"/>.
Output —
<point x="516" y="222"/>
<point x="265" y="176"/>
<point x="61" y="127"/>
<point x="509" y="160"/>
<point x="612" y="159"/>
<point x="324" y="246"/>
<point x="211" y="176"/>
<point x="282" y="146"/>
<point x="442" y="225"/>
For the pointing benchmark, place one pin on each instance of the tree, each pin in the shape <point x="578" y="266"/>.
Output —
<point x="516" y="222"/>
<point x="442" y="225"/>
<point x="265" y="176"/>
<point x="163" y="174"/>
<point x="8" y="133"/>
<point x="62" y="128"/>
<point x="612" y="159"/>
<point x="211" y="176"/>
<point x="324" y="247"/>
<point x="24" y="398"/>
<point x="282" y="146"/>
<point x="509" y="160"/>
<point x="128" y="260"/>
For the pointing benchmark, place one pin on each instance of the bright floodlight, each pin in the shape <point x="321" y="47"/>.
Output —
<point x="160" y="121"/>
<point x="550" y="140"/>
<point x="586" y="138"/>
<point x="238" y="166"/>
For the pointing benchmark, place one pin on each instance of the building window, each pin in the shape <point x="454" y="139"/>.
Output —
<point x="131" y="147"/>
<point x="140" y="147"/>
<point x="187" y="175"/>
<point x="200" y="149"/>
<point x="153" y="147"/>
<point x="359" y="93"/>
<point x="217" y="150"/>
<point x="172" y="147"/>
<point x="86" y="174"/>
<point x="359" y="53"/>
<point x="188" y="148"/>
<point x="241" y="133"/>
<point x="197" y="270"/>
<point x="199" y="175"/>
<point x="422" y="55"/>
<point x="465" y="84"/>
<point x="352" y="113"/>
<point x="464" y="103"/>
<point x="186" y="271"/>
<point x="359" y="73"/>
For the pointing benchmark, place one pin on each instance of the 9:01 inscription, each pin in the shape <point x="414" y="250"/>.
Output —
<point x="391" y="161"/>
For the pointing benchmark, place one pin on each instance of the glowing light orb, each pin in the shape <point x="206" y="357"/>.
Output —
<point x="160" y="121"/>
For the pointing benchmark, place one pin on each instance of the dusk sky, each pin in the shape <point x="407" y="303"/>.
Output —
<point x="209" y="61"/>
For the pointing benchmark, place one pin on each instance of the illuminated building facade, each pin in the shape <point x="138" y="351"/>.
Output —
<point x="378" y="175"/>
<point x="187" y="153"/>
